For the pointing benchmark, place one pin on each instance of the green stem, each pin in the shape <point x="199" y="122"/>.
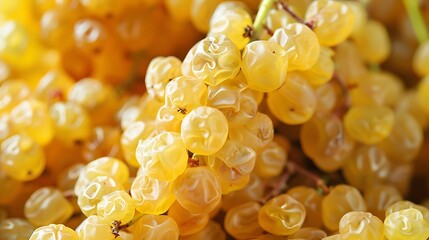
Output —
<point x="264" y="8"/>
<point x="416" y="18"/>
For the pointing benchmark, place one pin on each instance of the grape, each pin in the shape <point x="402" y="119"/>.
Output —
<point x="369" y="124"/>
<point x="116" y="206"/>
<point x="421" y="60"/>
<point x="253" y="191"/>
<point x="402" y="205"/>
<point x="361" y="225"/>
<point x="300" y="43"/>
<point x="333" y="21"/>
<point x="10" y="189"/>
<point x="271" y="161"/>
<point x="204" y="130"/>
<point x="67" y="178"/>
<point x="163" y="157"/>
<point x="379" y="197"/>
<point x="308" y="233"/>
<point x="372" y="42"/>
<point x="231" y="18"/>
<point x="93" y="228"/>
<point x="201" y="12"/>
<point x="183" y="94"/>
<point x="156" y="228"/>
<point x="54" y="232"/>
<point x="422" y="94"/>
<point x="276" y="18"/>
<point x="213" y="60"/>
<point x="160" y="71"/>
<point x="282" y="215"/>
<point x="406" y="224"/>
<point x="322" y="70"/>
<point x="12" y="93"/>
<point x="151" y="195"/>
<point x="53" y="86"/>
<point x="47" y="205"/>
<point x="264" y="65"/>
<point x="198" y="190"/>
<point x="312" y="202"/>
<point x="179" y="9"/>
<point x="339" y="201"/>
<point x="187" y="222"/>
<point x="56" y="28"/>
<point x="242" y="221"/>
<point x="15" y="229"/>
<point x="212" y="231"/>
<point x="21" y="158"/>
<point x="294" y="102"/>
<point x="349" y="63"/>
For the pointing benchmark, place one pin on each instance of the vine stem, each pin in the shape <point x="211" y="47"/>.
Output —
<point x="264" y="8"/>
<point x="417" y="21"/>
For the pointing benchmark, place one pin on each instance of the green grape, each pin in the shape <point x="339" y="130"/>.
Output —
<point x="339" y="201"/>
<point x="421" y="60"/>
<point x="213" y="60"/>
<point x="15" y="229"/>
<point x="402" y="205"/>
<point x="325" y="141"/>
<point x="256" y="134"/>
<point x="309" y="233"/>
<point x="406" y="224"/>
<point x="231" y="19"/>
<point x="133" y="133"/>
<point x="198" y="190"/>
<point x="241" y="221"/>
<point x="21" y="158"/>
<point x="264" y="65"/>
<point x="204" y="130"/>
<point x="160" y="71"/>
<point x="373" y="42"/>
<point x="163" y="157"/>
<point x="47" y="205"/>
<point x="72" y="122"/>
<point x="323" y="70"/>
<point x="152" y="195"/>
<point x="31" y="117"/>
<point x="300" y="43"/>
<point x="294" y="102"/>
<point x="369" y="124"/>
<point x="93" y="193"/>
<point x="422" y="94"/>
<point x="156" y="228"/>
<point x="312" y="202"/>
<point x="365" y="166"/>
<point x="379" y="197"/>
<point x="12" y="93"/>
<point x="54" y="232"/>
<point x="405" y="141"/>
<point x="212" y="231"/>
<point x="361" y="225"/>
<point x="187" y="222"/>
<point x="183" y="94"/>
<point x="282" y="215"/>
<point x="271" y="161"/>
<point x="232" y="164"/>
<point x="10" y="189"/>
<point x="333" y="21"/>
<point x="107" y="167"/>
<point x="94" y="228"/>
<point x="116" y="206"/>
<point x="377" y="88"/>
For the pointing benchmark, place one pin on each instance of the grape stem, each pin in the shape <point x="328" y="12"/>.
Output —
<point x="285" y="7"/>
<point x="264" y="8"/>
<point x="416" y="19"/>
<point x="293" y="167"/>
<point x="117" y="226"/>
<point x="277" y="187"/>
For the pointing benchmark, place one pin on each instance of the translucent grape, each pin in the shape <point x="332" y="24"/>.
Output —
<point x="271" y="161"/>
<point x="422" y="94"/>
<point x="94" y="228"/>
<point x="312" y="202"/>
<point x="361" y="225"/>
<point x="379" y="197"/>
<point x="308" y="233"/>
<point x="116" y="206"/>
<point x="406" y="224"/>
<point x="242" y="221"/>
<point x="402" y="205"/>
<point x="133" y="133"/>
<point x="156" y="228"/>
<point x="421" y="60"/>
<point x="322" y="70"/>
<point x="15" y="229"/>
<point x="373" y="42"/>
<point x="187" y="222"/>
<point x="212" y="231"/>
<point x="160" y="71"/>
<point x="12" y="93"/>
<point x="54" y="232"/>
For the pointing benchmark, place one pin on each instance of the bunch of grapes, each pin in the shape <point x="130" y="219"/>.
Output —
<point x="282" y="119"/>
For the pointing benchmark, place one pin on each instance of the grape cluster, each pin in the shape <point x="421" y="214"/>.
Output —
<point x="274" y="120"/>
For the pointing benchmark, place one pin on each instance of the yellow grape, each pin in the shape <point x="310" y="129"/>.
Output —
<point x="231" y="19"/>
<point x="183" y="94"/>
<point x="276" y="18"/>
<point x="300" y="43"/>
<point x="403" y="204"/>
<point x="160" y="71"/>
<point x="10" y="189"/>
<point x="133" y="133"/>
<point x="15" y="229"/>
<point x="361" y="16"/>
<point x="212" y="231"/>
<point x="369" y="124"/>
<point x="116" y="206"/>
<point x="21" y="158"/>
<point x="94" y="228"/>
<point x="53" y="86"/>
<point x="271" y="161"/>
<point x="155" y="227"/>
<point x="406" y="224"/>
<point x="12" y="93"/>
<point x="242" y="221"/>
<point x="421" y="60"/>
<point x="264" y="65"/>
<point x="151" y="195"/>
<point x="423" y="94"/>
<point x="322" y="71"/>
<point x="253" y="191"/>
<point x="282" y="215"/>
<point x="372" y="42"/>
<point x="198" y="190"/>
<point x="163" y="157"/>
<point x="201" y="12"/>
<point x="308" y="233"/>
<point x="204" y="130"/>
<point x="349" y="63"/>
<point x="213" y="60"/>
<point x="294" y="102"/>
<point x="179" y="10"/>
<point x="31" y="117"/>
<point x="54" y="232"/>
<point x="312" y="201"/>
<point x="333" y="21"/>
<point x="379" y="197"/>
<point x="187" y="222"/>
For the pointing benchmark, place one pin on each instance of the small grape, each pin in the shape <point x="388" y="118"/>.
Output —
<point x="187" y="222"/>
<point x="94" y="228"/>
<point x="361" y="225"/>
<point x="54" y="232"/>
<point x="421" y="60"/>
<point x="15" y="229"/>
<point x="242" y="221"/>
<point x="373" y="42"/>
<point x="312" y="202"/>
<point x="379" y="197"/>
<point x="116" y="206"/>
<point x="160" y="71"/>
<point x="406" y="224"/>
<point x="212" y="231"/>
<point x="156" y="227"/>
